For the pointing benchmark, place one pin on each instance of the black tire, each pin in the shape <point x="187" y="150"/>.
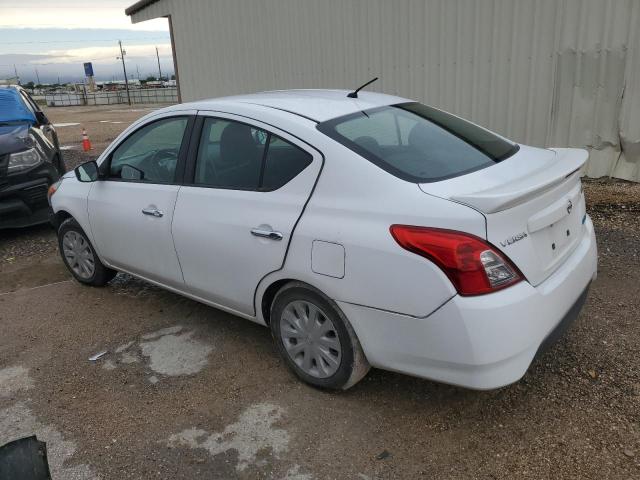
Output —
<point x="101" y="275"/>
<point x="353" y="365"/>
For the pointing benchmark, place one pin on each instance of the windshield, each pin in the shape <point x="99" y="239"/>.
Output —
<point x="417" y="143"/>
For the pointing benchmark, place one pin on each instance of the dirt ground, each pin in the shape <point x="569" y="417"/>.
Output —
<point x="187" y="392"/>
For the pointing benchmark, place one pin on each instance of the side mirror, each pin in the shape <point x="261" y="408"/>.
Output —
<point x="87" y="172"/>
<point x="41" y="118"/>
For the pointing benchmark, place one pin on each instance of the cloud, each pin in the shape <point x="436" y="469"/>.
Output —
<point x="74" y="14"/>
<point x="104" y="54"/>
<point x="48" y="69"/>
<point x="46" y="54"/>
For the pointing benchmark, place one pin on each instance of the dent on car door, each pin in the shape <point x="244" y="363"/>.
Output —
<point x="247" y="187"/>
<point x="131" y="209"/>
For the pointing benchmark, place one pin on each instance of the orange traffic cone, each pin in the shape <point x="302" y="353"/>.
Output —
<point x="86" y="143"/>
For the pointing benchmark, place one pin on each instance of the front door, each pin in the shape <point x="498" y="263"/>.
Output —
<point x="131" y="210"/>
<point x="233" y="223"/>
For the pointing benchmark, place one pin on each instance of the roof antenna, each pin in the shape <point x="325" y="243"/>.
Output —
<point x="354" y="94"/>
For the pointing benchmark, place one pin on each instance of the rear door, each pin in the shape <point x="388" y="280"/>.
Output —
<point x="131" y="210"/>
<point x="248" y="185"/>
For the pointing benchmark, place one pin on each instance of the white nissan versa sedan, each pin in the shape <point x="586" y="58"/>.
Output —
<point x="365" y="230"/>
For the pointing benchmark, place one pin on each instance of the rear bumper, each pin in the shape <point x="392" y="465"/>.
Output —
<point x="480" y="342"/>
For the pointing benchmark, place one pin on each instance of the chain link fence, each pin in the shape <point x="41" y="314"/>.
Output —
<point x="138" y="96"/>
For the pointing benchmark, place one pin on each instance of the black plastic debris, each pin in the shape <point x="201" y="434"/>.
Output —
<point x="24" y="459"/>
<point x="383" y="455"/>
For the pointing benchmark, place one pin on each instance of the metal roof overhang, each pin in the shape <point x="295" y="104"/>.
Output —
<point x="140" y="5"/>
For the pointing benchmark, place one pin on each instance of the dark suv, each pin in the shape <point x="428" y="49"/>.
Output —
<point x="30" y="159"/>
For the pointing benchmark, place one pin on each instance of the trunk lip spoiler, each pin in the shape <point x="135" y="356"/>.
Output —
<point x="495" y="200"/>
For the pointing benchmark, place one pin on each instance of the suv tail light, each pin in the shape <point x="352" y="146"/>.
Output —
<point x="473" y="265"/>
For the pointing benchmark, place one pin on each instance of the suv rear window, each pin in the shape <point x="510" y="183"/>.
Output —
<point x="418" y="143"/>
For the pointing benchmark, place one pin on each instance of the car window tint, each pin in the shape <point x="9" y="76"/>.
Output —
<point x="151" y="153"/>
<point x="230" y="155"/>
<point x="380" y="127"/>
<point x="418" y="143"/>
<point x="283" y="162"/>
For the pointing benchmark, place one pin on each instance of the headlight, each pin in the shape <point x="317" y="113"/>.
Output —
<point x="24" y="160"/>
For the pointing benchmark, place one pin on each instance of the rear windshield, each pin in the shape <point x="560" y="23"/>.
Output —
<point x="417" y="143"/>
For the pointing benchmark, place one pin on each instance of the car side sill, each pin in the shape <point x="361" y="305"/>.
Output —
<point x="189" y="295"/>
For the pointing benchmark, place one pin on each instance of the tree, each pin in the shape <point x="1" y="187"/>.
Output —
<point x="150" y="78"/>
<point x="173" y="77"/>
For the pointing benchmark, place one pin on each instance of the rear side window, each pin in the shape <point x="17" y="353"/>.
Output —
<point x="238" y="156"/>
<point x="230" y="155"/>
<point x="418" y="143"/>
<point x="283" y="162"/>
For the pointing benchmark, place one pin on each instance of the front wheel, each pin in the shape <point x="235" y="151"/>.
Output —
<point x="315" y="339"/>
<point x="80" y="257"/>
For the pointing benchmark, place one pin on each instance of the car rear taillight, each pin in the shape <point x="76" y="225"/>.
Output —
<point x="473" y="266"/>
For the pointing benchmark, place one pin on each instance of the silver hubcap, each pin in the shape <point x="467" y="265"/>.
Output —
<point x="78" y="253"/>
<point x="311" y="339"/>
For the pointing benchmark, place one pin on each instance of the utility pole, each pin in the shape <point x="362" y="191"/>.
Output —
<point x="138" y="70"/>
<point x="124" y="69"/>
<point x="37" y="76"/>
<point x="16" y="71"/>
<point x="159" y="71"/>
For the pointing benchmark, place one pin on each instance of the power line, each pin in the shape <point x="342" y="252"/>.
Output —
<point x="93" y="59"/>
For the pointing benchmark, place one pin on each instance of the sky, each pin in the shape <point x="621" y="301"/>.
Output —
<point x="51" y="39"/>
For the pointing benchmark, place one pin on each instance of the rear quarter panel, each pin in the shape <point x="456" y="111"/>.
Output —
<point x="353" y="205"/>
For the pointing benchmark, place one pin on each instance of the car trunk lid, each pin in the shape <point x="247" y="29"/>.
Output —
<point x="533" y="205"/>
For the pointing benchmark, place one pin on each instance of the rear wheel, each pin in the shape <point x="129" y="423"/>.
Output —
<point x="315" y="339"/>
<point x="80" y="257"/>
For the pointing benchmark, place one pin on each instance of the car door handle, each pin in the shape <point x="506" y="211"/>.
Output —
<point x="272" y="234"/>
<point x="154" y="212"/>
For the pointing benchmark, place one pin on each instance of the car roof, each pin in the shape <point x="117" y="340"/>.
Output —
<point x="315" y="105"/>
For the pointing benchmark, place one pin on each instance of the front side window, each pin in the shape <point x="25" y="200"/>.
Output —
<point x="238" y="156"/>
<point x="151" y="153"/>
<point x="418" y="143"/>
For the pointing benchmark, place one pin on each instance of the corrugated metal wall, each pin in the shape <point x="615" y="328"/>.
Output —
<point x="542" y="72"/>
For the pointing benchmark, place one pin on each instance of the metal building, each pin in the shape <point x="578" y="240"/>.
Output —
<point x="542" y="72"/>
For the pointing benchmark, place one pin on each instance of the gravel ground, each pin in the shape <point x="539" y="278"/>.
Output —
<point x="186" y="391"/>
